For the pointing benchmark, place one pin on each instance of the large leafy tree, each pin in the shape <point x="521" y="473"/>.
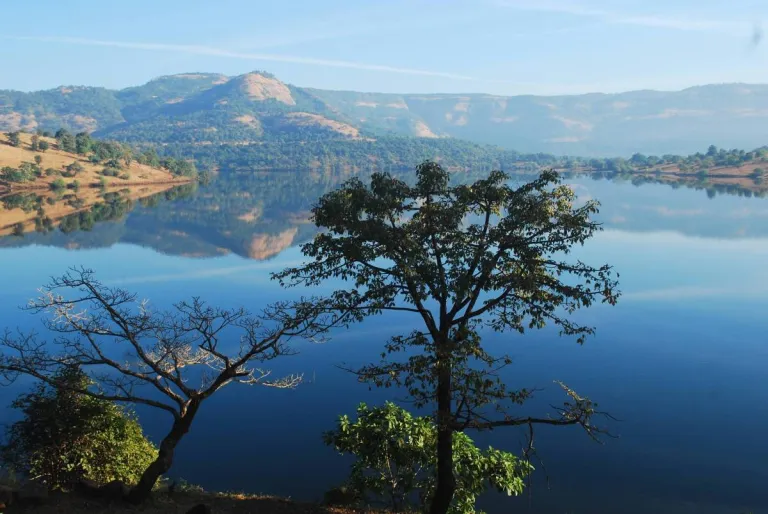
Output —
<point x="395" y="460"/>
<point x="171" y="360"/>
<point x="459" y="258"/>
<point x="64" y="436"/>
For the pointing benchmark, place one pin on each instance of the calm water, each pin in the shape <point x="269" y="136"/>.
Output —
<point x="681" y="361"/>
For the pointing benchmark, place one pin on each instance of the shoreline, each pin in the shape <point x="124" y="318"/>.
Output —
<point x="6" y="188"/>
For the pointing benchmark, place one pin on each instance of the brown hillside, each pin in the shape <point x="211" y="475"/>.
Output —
<point x="135" y="174"/>
<point x="259" y="87"/>
<point x="306" y="119"/>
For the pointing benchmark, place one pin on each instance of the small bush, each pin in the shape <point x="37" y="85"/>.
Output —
<point x="395" y="461"/>
<point x="13" y="138"/>
<point x="74" y="168"/>
<point x="64" y="437"/>
<point x="58" y="184"/>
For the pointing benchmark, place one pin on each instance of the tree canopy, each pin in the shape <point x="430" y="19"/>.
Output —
<point x="460" y="258"/>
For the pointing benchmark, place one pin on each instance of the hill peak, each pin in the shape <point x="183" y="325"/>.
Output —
<point x="261" y="86"/>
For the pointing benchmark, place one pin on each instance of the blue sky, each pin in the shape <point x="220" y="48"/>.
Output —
<point x="491" y="46"/>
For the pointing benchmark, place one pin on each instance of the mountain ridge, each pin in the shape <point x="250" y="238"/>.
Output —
<point x="212" y="108"/>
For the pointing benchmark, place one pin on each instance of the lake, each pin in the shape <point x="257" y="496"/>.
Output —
<point x="680" y="361"/>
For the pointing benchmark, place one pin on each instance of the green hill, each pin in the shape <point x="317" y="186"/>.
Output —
<point x="206" y="108"/>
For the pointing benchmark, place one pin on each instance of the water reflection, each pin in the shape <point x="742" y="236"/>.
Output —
<point x="680" y="360"/>
<point x="259" y="215"/>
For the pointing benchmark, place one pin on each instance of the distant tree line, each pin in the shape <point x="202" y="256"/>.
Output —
<point x="393" y="153"/>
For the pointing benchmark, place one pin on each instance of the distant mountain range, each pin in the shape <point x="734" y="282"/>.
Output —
<point x="206" y="108"/>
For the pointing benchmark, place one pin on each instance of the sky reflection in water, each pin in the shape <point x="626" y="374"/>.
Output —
<point x="680" y="361"/>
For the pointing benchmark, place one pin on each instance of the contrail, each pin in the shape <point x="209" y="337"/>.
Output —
<point x="220" y="52"/>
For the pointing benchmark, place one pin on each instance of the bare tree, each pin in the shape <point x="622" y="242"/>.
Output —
<point x="171" y="360"/>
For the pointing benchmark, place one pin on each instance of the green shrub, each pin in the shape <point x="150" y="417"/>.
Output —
<point x="396" y="457"/>
<point x="13" y="138"/>
<point x="15" y="175"/>
<point x="74" y="168"/>
<point x="65" y="436"/>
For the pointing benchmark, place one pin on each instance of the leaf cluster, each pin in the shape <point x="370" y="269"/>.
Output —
<point x="395" y="460"/>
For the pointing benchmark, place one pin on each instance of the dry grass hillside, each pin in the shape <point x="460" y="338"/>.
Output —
<point x="134" y="174"/>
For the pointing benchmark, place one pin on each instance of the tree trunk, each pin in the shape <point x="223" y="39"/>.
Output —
<point x="446" y="482"/>
<point x="164" y="459"/>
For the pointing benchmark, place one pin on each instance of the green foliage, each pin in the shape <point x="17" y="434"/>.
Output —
<point x="43" y="146"/>
<point x="38" y="159"/>
<point x="21" y="174"/>
<point x="459" y="258"/>
<point x="13" y="138"/>
<point x="64" y="436"/>
<point x="114" y="207"/>
<point x="179" y="167"/>
<point x="58" y="184"/>
<point x="114" y="163"/>
<point x="28" y="202"/>
<point x="73" y="169"/>
<point x="395" y="460"/>
<point x="83" y="143"/>
<point x="66" y="141"/>
<point x="385" y="153"/>
<point x="43" y="224"/>
<point x="18" y="229"/>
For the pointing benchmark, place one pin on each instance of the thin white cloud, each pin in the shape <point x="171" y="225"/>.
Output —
<point x="221" y="52"/>
<point x="687" y="292"/>
<point x="204" y="273"/>
<point x="366" y="19"/>
<point x="684" y="23"/>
